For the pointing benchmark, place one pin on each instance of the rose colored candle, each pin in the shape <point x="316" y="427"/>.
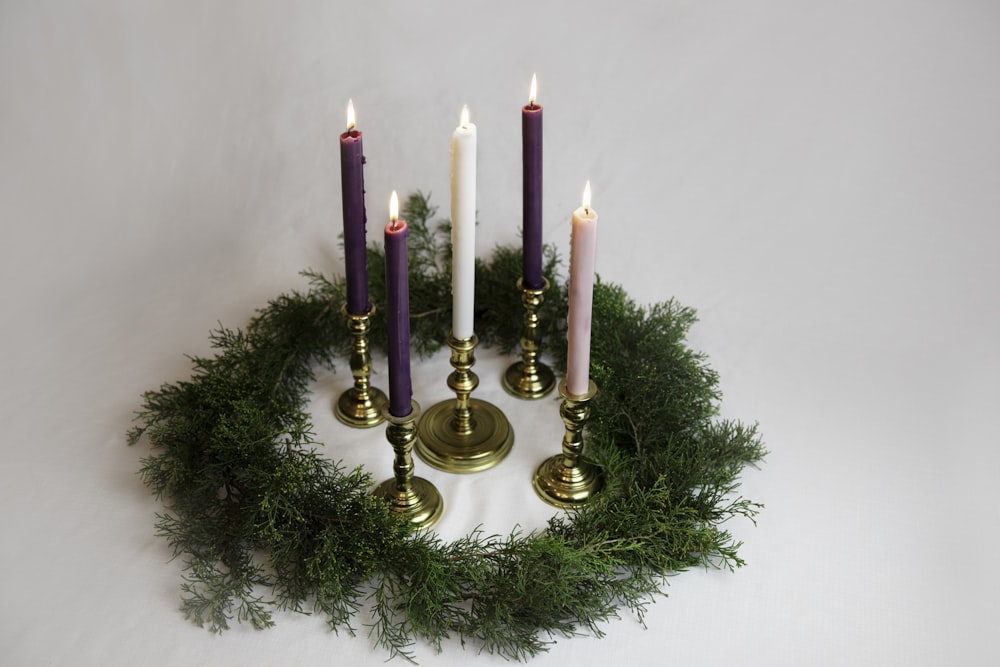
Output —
<point x="583" y="246"/>
<point x="352" y="188"/>
<point x="531" y="190"/>
<point x="463" y="226"/>
<point x="398" y="311"/>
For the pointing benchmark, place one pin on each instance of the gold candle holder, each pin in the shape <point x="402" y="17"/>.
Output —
<point x="566" y="480"/>
<point x="530" y="378"/>
<point x="467" y="434"/>
<point x="362" y="405"/>
<point x="414" y="498"/>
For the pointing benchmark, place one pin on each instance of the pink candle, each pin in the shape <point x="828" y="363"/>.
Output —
<point x="583" y="246"/>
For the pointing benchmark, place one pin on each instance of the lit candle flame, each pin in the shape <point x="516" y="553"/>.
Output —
<point x="351" y="121"/>
<point x="586" y="197"/>
<point x="533" y="93"/>
<point x="465" y="116"/>
<point x="393" y="208"/>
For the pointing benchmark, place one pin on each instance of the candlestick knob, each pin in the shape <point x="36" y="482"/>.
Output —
<point x="530" y="378"/>
<point x="362" y="405"/>
<point x="467" y="434"/>
<point x="566" y="480"/>
<point x="414" y="498"/>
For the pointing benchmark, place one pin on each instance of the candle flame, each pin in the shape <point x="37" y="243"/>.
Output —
<point x="351" y="121"/>
<point x="586" y="196"/>
<point x="533" y="93"/>
<point x="393" y="208"/>
<point x="464" y="120"/>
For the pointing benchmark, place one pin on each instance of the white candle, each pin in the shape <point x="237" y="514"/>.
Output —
<point x="463" y="226"/>
<point x="583" y="246"/>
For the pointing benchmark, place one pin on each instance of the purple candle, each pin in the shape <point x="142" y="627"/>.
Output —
<point x="398" y="311"/>
<point x="531" y="155"/>
<point x="352" y="187"/>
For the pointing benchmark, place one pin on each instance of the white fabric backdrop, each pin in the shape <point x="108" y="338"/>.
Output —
<point x="820" y="180"/>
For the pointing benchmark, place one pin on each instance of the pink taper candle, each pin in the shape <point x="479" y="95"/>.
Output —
<point x="583" y="247"/>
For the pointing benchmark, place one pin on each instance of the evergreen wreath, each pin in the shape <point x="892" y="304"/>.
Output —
<point x="264" y="522"/>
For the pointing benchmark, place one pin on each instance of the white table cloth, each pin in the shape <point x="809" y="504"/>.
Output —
<point x="820" y="180"/>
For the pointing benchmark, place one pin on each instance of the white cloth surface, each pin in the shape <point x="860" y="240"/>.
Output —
<point x="820" y="180"/>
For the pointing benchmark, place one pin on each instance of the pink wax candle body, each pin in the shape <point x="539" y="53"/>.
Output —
<point x="531" y="190"/>
<point x="352" y="187"/>
<point x="582" y="255"/>
<point x="398" y="312"/>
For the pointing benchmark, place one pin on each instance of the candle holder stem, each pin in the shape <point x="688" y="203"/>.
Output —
<point x="466" y="434"/>
<point x="414" y="498"/>
<point x="463" y="382"/>
<point x="362" y="405"/>
<point x="530" y="378"/>
<point x="566" y="480"/>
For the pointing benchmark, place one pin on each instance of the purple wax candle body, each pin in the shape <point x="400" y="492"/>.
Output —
<point x="398" y="315"/>
<point x="531" y="145"/>
<point x="352" y="185"/>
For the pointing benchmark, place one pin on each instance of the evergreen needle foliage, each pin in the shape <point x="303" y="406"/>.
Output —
<point x="264" y="523"/>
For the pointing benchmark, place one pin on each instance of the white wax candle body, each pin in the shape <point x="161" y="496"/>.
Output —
<point x="582" y="254"/>
<point x="463" y="229"/>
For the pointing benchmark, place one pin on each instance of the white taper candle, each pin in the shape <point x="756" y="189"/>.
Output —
<point x="463" y="226"/>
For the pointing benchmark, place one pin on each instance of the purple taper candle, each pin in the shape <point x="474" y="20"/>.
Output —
<point x="352" y="187"/>
<point x="531" y="155"/>
<point x="397" y="286"/>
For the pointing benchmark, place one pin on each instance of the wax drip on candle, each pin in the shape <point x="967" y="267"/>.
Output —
<point x="351" y="121"/>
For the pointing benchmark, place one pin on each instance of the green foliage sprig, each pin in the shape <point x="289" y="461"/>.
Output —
<point x="264" y="522"/>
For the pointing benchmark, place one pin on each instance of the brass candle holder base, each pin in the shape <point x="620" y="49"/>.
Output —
<point x="566" y="480"/>
<point x="530" y="378"/>
<point x="414" y="498"/>
<point x="362" y="405"/>
<point x="465" y="435"/>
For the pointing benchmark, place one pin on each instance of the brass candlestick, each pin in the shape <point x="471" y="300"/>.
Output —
<point x="414" y="498"/>
<point x="467" y="434"/>
<point x="530" y="378"/>
<point x="566" y="480"/>
<point x="361" y="405"/>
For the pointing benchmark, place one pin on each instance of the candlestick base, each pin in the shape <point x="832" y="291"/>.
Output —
<point x="465" y="435"/>
<point x="529" y="384"/>
<point x="420" y="503"/>
<point x="413" y="498"/>
<point x="442" y="446"/>
<point x="530" y="378"/>
<point x="362" y="405"/>
<point x="566" y="480"/>
<point x="359" y="412"/>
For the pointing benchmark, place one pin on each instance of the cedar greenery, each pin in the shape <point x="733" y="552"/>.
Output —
<point x="264" y="522"/>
